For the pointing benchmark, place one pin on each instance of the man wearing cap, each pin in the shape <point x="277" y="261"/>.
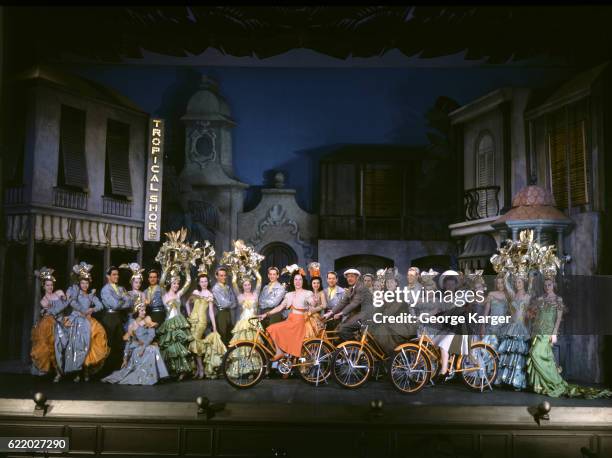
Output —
<point x="355" y="306"/>
<point x="225" y="305"/>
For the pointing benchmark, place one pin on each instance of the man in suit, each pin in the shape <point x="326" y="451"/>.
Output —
<point x="354" y="307"/>
<point x="115" y="300"/>
<point x="333" y="292"/>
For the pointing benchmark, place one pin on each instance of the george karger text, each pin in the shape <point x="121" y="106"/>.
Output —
<point x="412" y="296"/>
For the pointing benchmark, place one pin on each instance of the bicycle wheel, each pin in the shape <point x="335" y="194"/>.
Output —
<point x="433" y="355"/>
<point x="314" y="366"/>
<point x="410" y="369"/>
<point x="479" y="367"/>
<point x="244" y="365"/>
<point x="352" y="365"/>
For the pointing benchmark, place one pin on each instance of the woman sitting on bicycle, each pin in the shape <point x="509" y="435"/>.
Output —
<point x="450" y="339"/>
<point x="288" y="335"/>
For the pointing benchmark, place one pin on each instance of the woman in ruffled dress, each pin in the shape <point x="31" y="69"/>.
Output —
<point x="142" y="362"/>
<point x="542" y="371"/>
<point x="87" y="346"/>
<point x="175" y="332"/>
<point x="247" y="299"/>
<point x="136" y="293"/>
<point x="497" y="303"/>
<point x="49" y="337"/>
<point x="209" y="350"/>
<point x="514" y="339"/>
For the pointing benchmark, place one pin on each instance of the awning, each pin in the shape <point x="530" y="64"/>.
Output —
<point x="55" y="229"/>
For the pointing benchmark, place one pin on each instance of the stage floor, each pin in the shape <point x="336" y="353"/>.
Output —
<point x="277" y="391"/>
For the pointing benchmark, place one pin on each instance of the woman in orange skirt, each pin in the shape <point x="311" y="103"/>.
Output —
<point x="48" y="334"/>
<point x="288" y="335"/>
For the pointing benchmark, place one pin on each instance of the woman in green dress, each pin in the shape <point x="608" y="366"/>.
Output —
<point x="175" y="332"/>
<point x="542" y="371"/>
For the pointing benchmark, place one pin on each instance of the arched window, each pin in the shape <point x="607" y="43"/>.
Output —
<point x="485" y="174"/>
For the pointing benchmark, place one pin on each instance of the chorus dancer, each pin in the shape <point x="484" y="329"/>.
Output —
<point x="451" y="339"/>
<point x="288" y="335"/>
<point x="271" y="295"/>
<point x="368" y="281"/>
<point x="314" y="320"/>
<point x="115" y="300"/>
<point x="142" y="361"/>
<point x="543" y="374"/>
<point x="175" y="332"/>
<point x="391" y="334"/>
<point x="87" y="348"/>
<point x="225" y="304"/>
<point x="208" y="351"/>
<point x="497" y="303"/>
<point x="333" y="292"/>
<point x="153" y="297"/>
<point x="136" y="294"/>
<point x="247" y="299"/>
<point x="49" y="336"/>
<point x="514" y="340"/>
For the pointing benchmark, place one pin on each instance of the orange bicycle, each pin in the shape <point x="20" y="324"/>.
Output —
<point x="478" y="368"/>
<point x="247" y="362"/>
<point x="354" y="361"/>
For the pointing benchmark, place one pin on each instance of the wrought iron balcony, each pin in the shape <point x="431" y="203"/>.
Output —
<point x="481" y="202"/>
<point x="14" y="195"/>
<point x="70" y="198"/>
<point x="117" y="207"/>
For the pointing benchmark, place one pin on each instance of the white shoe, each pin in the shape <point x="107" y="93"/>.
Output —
<point x="57" y="378"/>
<point x="77" y="379"/>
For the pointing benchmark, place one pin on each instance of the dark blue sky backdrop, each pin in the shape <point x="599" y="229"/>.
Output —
<point x="284" y="113"/>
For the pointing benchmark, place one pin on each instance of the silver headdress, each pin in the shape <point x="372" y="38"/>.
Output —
<point x="45" y="274"/>
<point x="135" y="268"/>
<point x="82" y="270"/>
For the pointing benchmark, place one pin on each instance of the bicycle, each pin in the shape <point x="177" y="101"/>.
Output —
<point x="246" y="362"/>
<point x="354" y="361"/>
<point x="319" y="351"/>
<point x="478" y="368"/>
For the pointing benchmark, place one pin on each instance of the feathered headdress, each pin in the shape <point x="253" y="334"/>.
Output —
<point x="314" y="269"/>
<point x="176" y="254"/>
<point x="243" y="260"/>
<point x="293" y="269"/>
<point x="44" y="274"/>
<point x="427" y="278"/>
<point x="519" y="257"/>
<point x="135" y="268"/>
<point x="82" y="270"/>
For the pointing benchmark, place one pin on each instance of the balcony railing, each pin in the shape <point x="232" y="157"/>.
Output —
<point x="70" y="198"/>
<point x="117" y="207"/>
<point x="14" y="195"/>
<point x="380" y="228"/>
<point x="481" y="202"/>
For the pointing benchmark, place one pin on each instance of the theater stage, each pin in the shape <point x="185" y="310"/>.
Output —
<point x="289" y="418"/>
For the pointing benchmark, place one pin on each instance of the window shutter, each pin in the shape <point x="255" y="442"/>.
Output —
<point x="118" y="158"/>
<point x="557" y="140"/>
<point x="578" y="167"/>
<point x="72" y="148"/>
<point x="485" y="176"/>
